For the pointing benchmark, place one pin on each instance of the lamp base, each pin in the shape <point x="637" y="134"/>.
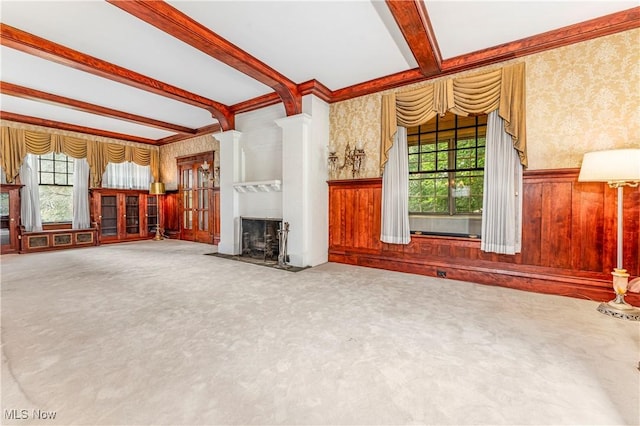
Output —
<point x="620" y="310"/>
<point x="158" y="236"/>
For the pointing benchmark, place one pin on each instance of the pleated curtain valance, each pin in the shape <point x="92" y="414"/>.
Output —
<point x="17" y="143"/>
<point x="502" y="89"/>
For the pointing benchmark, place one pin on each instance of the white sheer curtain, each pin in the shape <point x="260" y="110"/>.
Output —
<point x="126" y="175"/>
<point x="395" y="192"/>
<point x="502" y="200"/>
<point x="80" y="194"/>
<point x="29" y="194"/>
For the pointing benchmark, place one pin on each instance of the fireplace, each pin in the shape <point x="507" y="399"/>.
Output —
<point x="260" y="238"/>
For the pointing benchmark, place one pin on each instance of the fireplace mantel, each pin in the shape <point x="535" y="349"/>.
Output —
<point x="259" y="186"/>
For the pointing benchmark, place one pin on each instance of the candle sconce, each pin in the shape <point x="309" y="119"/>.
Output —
<point x="212" y="174"/>
<point x="353" y="158"/>
<point x="205" y="168"/>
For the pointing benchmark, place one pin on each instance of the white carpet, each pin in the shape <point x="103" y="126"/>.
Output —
<point x="157" y="333"/>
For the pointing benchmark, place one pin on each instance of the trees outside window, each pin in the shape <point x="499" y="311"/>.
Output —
<point x="446" y="168"/>
<point x="55" y="179"/>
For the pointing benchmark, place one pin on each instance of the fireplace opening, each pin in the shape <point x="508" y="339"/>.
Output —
<point x="260" y="239"/>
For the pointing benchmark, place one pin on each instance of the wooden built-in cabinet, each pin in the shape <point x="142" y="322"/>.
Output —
<point x="124" y="215"/>
<point x="9" y="218"/>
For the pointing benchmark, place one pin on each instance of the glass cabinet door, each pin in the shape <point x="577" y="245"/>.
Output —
<point x="132" y="208"/>
<point x="109" y="221"/>
<point x="5" y="231"/>
<point x="152" y="214"/>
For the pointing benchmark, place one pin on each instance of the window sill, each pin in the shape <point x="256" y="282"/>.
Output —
<point x="425" y="235"/>
<point x="50" y="226"/>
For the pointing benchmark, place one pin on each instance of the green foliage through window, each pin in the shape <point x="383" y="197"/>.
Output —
<point x="55" y="178"/>
<point x="446" y="165"/>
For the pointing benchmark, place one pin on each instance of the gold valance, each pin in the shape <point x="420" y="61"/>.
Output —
<point x="17" y="143"/>
<point x="502" y="89"/>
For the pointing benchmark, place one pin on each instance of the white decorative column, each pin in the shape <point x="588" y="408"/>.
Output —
<point x="230" y="173"/>
<point x="304" y="190"/>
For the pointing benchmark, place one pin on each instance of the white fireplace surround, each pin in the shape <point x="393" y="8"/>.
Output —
<point x="274" y="166"/>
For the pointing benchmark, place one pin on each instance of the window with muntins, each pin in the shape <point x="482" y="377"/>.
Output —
<point x="55" y="179"/>
<point x="446" y="172"/>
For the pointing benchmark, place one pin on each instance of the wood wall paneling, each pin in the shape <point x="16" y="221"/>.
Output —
<point x="569" y="238"/>
<point x="170" y="208"/>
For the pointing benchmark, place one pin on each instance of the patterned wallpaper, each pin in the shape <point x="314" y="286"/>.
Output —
<point x="169" y="153"/>
<point x="580" y="98"/>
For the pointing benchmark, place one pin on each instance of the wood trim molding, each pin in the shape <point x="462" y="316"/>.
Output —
<point x="175" y="23"/>
<point x="206" y="130"/>
<point x="314" y="87"/>
<point x="256" y="103"/>
<point x="392" y="81"/>
<point x="45" y="49"/>
<point x="606" y="25"/>
<point x="414" y="23"/>
<point x="37" y="95"/>
<point x="72" y="127"/>
<point x="599" y="27"/>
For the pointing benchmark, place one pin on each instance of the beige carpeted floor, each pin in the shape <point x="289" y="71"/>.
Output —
<point x="157" y="333"/>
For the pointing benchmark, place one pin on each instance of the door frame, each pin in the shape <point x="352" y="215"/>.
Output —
<point x="194" y="163"/>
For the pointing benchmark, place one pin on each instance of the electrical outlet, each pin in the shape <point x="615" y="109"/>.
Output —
<point x="441" y="274"/>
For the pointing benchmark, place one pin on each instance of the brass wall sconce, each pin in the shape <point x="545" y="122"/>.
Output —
<point x="353" y="158"/>
<point x="205" y="168"/>
<point x="211" y="174"/>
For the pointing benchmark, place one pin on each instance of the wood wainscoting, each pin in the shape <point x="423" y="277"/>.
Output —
<point x="568" y="239"/>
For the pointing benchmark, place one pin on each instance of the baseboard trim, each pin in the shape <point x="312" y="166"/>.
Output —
<point x="502" y="275"/>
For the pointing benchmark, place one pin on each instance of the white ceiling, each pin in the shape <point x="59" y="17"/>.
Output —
<point x="338" y="43"/>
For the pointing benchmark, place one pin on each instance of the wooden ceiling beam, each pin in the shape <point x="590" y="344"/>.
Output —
<point x="45" y="49"/>
<point x="414" y="23"/>
<point x="36" y="121"/>
<point x="207" y="130"/>
<point x="175" y="23"/>
<point x="49" y="98"/>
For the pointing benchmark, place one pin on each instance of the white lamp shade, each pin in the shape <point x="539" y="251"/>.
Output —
<point x="616" y="165"/>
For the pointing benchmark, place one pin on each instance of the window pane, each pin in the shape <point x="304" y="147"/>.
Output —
<point x="428" y="163"/>
<point x="448" y="121"/>
<point x="60" y="167"/>
<point x="413" y="163"/>
<point x="46" y="178"/>
<point x="46" y="165"/>
<point x="56" y="203"/>
<point x="61" y="179"/>
<point x="447" y="177"/>
<point x="55" y="169"/>
<point x="443" y="160"/>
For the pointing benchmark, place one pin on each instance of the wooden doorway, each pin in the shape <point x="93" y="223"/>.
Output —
<point x="195" y="195"/>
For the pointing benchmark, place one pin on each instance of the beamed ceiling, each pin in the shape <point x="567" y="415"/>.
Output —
<point x="159" y="72"/>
